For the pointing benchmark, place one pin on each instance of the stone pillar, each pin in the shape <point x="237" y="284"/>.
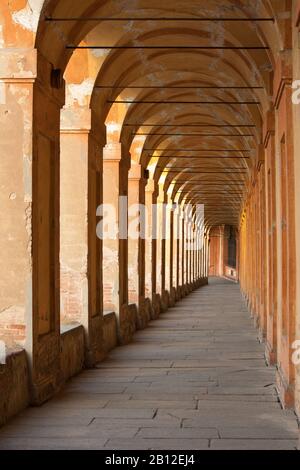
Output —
<point x="136" y="243"/>
<point x="153" y="246"/>
<point x="134" y="228"/>
<point x="144" y="304"/>
<point x="169" y="243"/>
<point x="197" y="274"/>
<point x="161" y="249"/>
<point x="195" y="249"/>
<point x="183" y="250"/>
<point x="30" y="237"/>
<point x="115" y="245"/>
<point x="150" y="213"/>
<point x="296" y="136"/>
<point x="43" y="335"/>
<point x="206" y="255"/>
<point x="80" y="249"/>
<point x="176" y="250"/>
<point x="284" y="144"/>
<point x="187" y="251"/>
<point x="179" y="271"/>
<point x="16" y="195"/>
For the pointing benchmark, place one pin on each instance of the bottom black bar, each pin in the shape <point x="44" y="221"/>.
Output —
<point x="184" y="459"/>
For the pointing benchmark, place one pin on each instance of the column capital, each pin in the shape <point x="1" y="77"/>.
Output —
<point x="75" y="120"/>
<point x="150" y="186"/>
<point x="161" y="197"/>
<point x="10" y="69"/>
<point x="135" y="172"/>
<point x="112" y="152"/>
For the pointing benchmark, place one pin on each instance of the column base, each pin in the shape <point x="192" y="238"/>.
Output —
<point x="128" y="323"/>
<point x="156" y="306"/>
<point x="270" y="355"/>
<point x="46" y="377"/>
<point x="41" y="392"/>
<point x="286" y="392"/>
<point x="144" y="313"/>
<point x="95" y="351"/>
<point x="172" y="297"/>
<point x="165" y="301"/>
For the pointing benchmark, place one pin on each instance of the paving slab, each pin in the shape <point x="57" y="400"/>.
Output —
<point x="253" y="444"/>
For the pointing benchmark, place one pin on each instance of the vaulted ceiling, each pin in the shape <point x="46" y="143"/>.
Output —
<point x="189" y="80"/>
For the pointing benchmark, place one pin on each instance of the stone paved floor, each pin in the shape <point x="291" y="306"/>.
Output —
<point x="195" y="379"/>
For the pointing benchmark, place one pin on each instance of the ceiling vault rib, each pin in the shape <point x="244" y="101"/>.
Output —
<point x="188" y="170"/>
<point x="208" y="168"/>
<point x="163" y="87"/>
<point x="192" y="125"/>
<point x="209" y="183"/>
<point x="192" y="135"/>
<point x="198" y="150"/>
<point x="181" y="102"/>
<point x="162" y="18"/>
<point x="189" y="157"/>
<point x="221" y="48"/>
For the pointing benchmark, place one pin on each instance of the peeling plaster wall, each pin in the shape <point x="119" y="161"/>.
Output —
<point x="15" y="203"/>
<point x="29" y="16"/>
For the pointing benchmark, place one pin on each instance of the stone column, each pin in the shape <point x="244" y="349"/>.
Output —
<point x="176" y="250"/>
<point x="169" y="251"/>
<point x="31" y="239"/>
<point x="43" y="334"/>
<point x="197" y="255"/>
<point x="16" y="195"/>
<point x="286" y="272"/>
<point x="296" y="136"/>
<point x="136" y="243"/>
<point x="144" y="303"/>
<point x="161" y="248"/>
<point x="81" y="181"/>
<point x="206" y="255"/>
<point x="183" y="250"/>
<point x="152" y="276"/>
<point x="134" y="228"/>
<point x="189" y="232"/>
<point x="115" y="245"/>
<point x="150" y="288"/>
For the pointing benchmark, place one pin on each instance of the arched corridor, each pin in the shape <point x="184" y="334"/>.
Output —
<point x="149" y="282"/>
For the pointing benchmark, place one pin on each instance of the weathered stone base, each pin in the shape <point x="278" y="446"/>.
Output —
<point x="156" y="306"/>
<point x="110" y="337"/>
<point x="165" y="301"/>
<point x="72" y="352"/>
<point x="172" y="298"/>
<point x="128" y="323"/>
<point x="270" y="355"/>
<point x="14" y="379"/>
<point x="286" y="392"/>
<point x="144" y="313"/>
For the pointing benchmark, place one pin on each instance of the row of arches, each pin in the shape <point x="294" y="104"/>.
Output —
<point x="168" y="106"/>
